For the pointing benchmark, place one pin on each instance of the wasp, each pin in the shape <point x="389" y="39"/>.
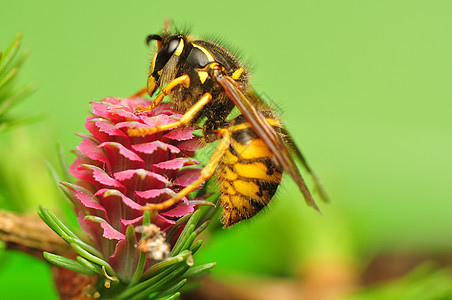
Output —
<point x="206" y="82"/>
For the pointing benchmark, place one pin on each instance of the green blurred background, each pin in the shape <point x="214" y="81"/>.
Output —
<point x="363" y="86"/>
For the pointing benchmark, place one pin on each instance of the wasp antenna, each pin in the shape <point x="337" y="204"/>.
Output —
<point x="152" y="37"/>
<point x="166" y="26"/>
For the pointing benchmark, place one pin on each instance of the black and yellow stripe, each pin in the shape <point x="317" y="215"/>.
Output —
<point x="247" y="175"/>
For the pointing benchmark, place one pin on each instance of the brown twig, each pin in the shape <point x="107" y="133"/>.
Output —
<point x="29" y="234"/>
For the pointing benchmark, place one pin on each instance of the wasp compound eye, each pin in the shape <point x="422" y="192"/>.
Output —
<point x="165" y="54"/>
<point x="153" y="37"/>
<point x="172" y="44"/>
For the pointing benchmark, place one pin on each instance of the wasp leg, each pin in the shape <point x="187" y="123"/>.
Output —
<point x="186" y="118"/>
<point x="206" y="173"/>
<point x="184" y="80"/>
<point x="140" y="93"/>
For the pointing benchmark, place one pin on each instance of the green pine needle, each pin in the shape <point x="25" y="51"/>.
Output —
<point x="89" y="265"/>
<point x="164" y="282"/>
<point x="10" y="95"/>
<point x="199" y="270"/>
<point x="166" y="294"/>
<point x="94" y="259"/>
<point x="67" y="263"/>
<point x="195" y="247"/>
<point x="185" y="234"/>
<point x="173" y="297"/>
<point x="176" y="225"/>
<point x="86" y="251"/>
<point x="54" y="222"/>
<point x="150" y="283"/>
<point x="8" y="55"/>
<point x="202" y="227"/>
<point x="83" y="245"/>
<point x="191" y="238"/>
<point x="166" y="263"/>
<point x="63" y="163"/>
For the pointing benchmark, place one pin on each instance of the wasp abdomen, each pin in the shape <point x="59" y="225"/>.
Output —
<point x="248" y="176"/>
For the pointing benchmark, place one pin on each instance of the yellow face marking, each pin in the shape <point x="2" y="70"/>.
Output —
<point x="237" y="73"/>
<point x="180" y="47"/>
<point x="151" y="69"/>
<point x="203" y="76"/>
<point x="252" y="150"/>
<point x="152" y="86"/>
<point x="229" y="158"/>
<point x="246" y="188"/>
<point x="207" y="53"/>
<point x="257" y="170"/>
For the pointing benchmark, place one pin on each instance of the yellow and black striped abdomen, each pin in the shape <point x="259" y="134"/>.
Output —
<point x="247" y="175"/>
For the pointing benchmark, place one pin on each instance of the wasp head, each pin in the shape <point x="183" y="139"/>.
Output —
<point x="168" y="46"/>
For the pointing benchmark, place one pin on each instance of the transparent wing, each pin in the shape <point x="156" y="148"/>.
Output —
<point x="300" y="158"/>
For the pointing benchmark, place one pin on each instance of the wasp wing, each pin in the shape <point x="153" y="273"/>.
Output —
<point x="300" y="158"/>
<point x="266" y="132"/>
